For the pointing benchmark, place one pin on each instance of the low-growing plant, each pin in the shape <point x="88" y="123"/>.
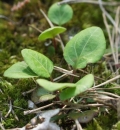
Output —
<point x="87" y="46"/>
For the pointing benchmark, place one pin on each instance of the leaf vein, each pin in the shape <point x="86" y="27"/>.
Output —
<point x="87" y="42"/>
<point x="39" y="63"/>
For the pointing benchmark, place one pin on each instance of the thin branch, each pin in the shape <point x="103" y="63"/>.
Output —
<point x="69" y="101"/>
<point x="110" y="38"/>
<point x="15" y="107"/>
<point x="107" y="88"/>
<point x="117" y="36"/>
<point x="108" y="15"/>
<point x="60" y="77"/>
<point x="1" y="126"/>
<point x="76" y="106"/>
<point x="10" y="109"/>
<point x="79" y="127"/>
<point x="29" y="91"/>
<point x="51" y="25"/>
<point x="110" y="94"/>
<point x="65" y="71"/>
<point x="37" y="110"/>
<point x="16" y="117"/>
<point x="90" y="2"/>
<point x="106" y="82"/>
<point x="32" y="26"/>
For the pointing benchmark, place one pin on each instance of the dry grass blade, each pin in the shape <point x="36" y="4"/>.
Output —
<point x="90" y="2"/>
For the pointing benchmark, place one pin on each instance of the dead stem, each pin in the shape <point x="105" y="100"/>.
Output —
<point x="90" y="2"/>
<point x="29" y="91"/>
<point x="16" y="117"/>
<point x="15" y="107"/>
<point x="51" y="25"/>
<point x="1" y="126"/>
<point x="65" y="71"/>
<point x="78" y="106"/>
<point x="107" y="88"/>
<point x="10" y="109"/>
<point x="35" y="28"/>
<point x="37" y="110"/>
<point x="106" y="82"/>
<point x="110" y="94"/>
<point x="79" y="127"/>
<point x="108" y="15"/>
<point x="109" y="35"/>
<point x="60" y="78"/>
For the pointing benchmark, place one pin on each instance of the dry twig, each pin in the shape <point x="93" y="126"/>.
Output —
<point x="90" y="2"/>
<point x="106" y="82"/>
<point x="37" y="110"/>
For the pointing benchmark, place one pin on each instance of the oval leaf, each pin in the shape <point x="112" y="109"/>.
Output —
<point x="39" y="91"/>
<point x="88" y="46"/>
<point x="51" y="33"/>
<point x="46" y="97"/>
<point x="81" y="86"/>
<point x="51" y="86"/>
<point x="19" y="70"/>
<point x="84" y="117"/>
<point x="60" y="14"/>
<point x="38" y="63"/>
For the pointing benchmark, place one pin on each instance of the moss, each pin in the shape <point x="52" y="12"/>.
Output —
<point x="107" y="120"/>
<point x="116" y="126"/>
<point x="103" y="122"/>
<point x="94" y="126"/>
<point x="14" y="93"/>
<point x="14" y="38"/>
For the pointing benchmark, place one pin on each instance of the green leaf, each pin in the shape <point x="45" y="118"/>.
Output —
<point x="81" y="86"/>
<point x="41" y="91"/>
<point x="60" y="14"/>
<point x="51" y="86"/>
<point x="19" y="70"/>
<point x="51" y="33"/>
<point x="38" y="63"/>
<point x="83" y="117"/>
<point x="88" y="46"/>
<point x="46" y="97"/>
<point x="37" y="93"/>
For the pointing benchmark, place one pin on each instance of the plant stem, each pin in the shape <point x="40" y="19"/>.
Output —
<point x="54" y="44"/>
<point x="90" y="2"/>
<point x="79" y="127"/>
<point x="108" y="15"/>
<point x="51" y="25"/>
<point x="109" y="35"/>
<point x="1" y="126"/>
<point x="51" y="79"/>
<point x="37" y="110"/>
<point x="110" y="94"/>
<point x="65" y="71"/>
<point x="108" y="81"/>
<point x="72" y="77"/>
